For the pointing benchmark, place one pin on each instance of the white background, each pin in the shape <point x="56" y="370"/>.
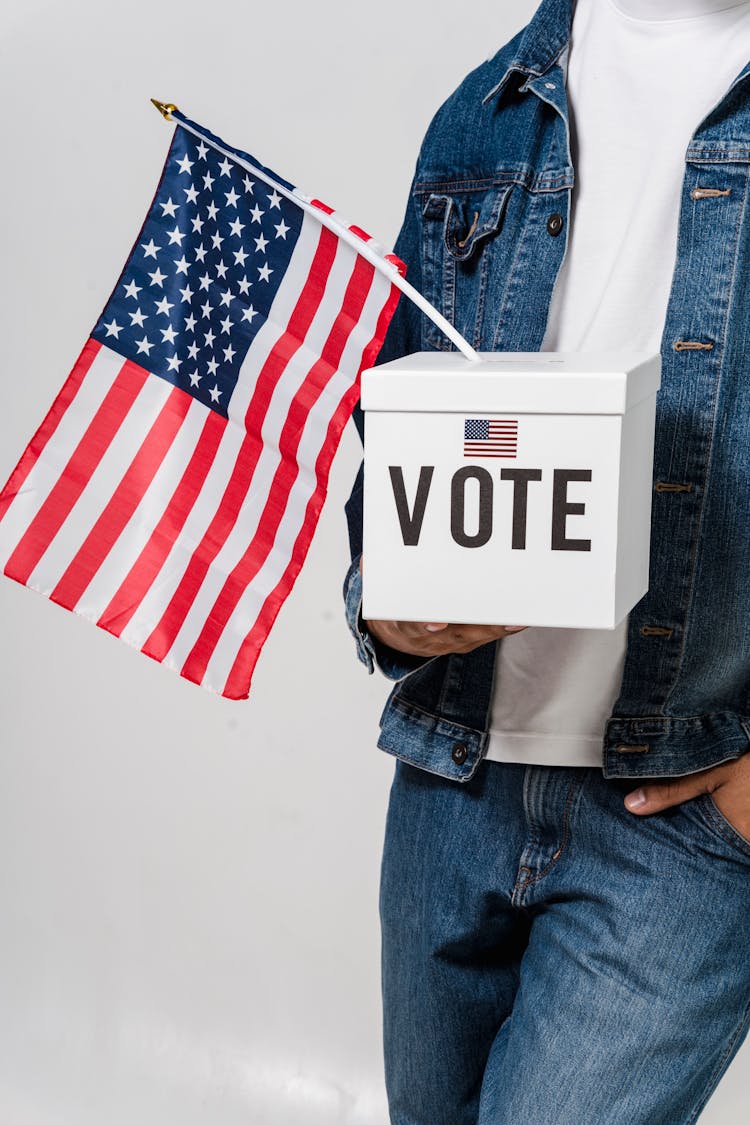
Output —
<point x="188" y="888"/>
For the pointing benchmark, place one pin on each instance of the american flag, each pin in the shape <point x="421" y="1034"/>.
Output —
<point x="172" y="491"/>
<point x="491" y="437"/>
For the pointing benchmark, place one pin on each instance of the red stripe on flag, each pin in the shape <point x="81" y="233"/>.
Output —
<point x="78" y="471"/>
<point x="138" y="582"/>
<point x="164" y="634"/>
<point x="361" y="233"/>
<point x="238" y="682"/>
<point x="275" y="507"/>
<point x="56" y="412"/>
<point x="124" y="501"/>
<point x="322" y="206"/>
<point x="400" y="266"/>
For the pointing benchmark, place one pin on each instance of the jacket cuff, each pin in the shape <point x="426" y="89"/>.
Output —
<point x="394" y="665"/>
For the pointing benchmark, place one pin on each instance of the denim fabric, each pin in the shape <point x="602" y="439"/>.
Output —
<point x="494" y="165"/>
<point x="550" y="959"/>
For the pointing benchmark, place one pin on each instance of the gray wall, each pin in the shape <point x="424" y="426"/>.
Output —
<point x="188" y="888"/>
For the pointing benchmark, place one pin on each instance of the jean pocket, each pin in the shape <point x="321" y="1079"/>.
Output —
<point x="459" y="236"/>
<point x="714" y="818"/>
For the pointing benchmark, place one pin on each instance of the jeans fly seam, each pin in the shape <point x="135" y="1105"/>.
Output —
<point x="572" y="793"/>
<point x="680" y="656"/>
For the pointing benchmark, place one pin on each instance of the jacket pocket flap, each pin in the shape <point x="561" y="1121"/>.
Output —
<point x="467" y="218"/>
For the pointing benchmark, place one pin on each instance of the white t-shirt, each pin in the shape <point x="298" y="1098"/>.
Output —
<point x="641" y="77"/>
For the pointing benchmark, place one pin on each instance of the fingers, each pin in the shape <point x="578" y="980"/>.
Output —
<point x="730" y="778"/>
<point x="659" y="795"/>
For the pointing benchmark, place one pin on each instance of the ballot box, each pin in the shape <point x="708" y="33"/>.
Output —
<point x="513" y="491"/>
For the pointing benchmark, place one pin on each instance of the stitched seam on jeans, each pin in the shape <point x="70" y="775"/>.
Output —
<point x="572" y="794"/>
<point x="726" y="830"/>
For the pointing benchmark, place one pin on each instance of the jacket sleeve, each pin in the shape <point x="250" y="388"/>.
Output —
<point x="404" y="336"/>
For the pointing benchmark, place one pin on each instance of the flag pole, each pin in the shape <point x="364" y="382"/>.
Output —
<point x="166" y="109"/>
<point x="430" y="311"/>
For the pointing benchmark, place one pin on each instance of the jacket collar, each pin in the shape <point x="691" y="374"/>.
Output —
<point x="541" y="43"/>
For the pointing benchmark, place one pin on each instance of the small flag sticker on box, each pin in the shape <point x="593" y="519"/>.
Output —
<point x="491" y="437"/>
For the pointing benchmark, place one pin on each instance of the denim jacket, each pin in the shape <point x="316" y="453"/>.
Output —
<point x="494" y="169"/>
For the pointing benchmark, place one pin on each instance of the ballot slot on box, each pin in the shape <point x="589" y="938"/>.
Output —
<point x="512" y="491"/>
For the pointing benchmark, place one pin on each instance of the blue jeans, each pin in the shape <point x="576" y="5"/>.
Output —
<point x="548" y="958"/>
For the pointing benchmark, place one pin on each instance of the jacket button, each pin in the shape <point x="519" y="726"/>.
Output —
<point x="458" y="753"/>
<point x="555" y="224"/>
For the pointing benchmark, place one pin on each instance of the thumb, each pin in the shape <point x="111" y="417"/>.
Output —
<point x="664" y="794"/>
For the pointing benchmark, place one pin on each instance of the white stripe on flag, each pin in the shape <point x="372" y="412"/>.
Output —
<point x="157" y="598"/>
<point x="135" y="535"/>
<point x="101" y="484"/>
<point x="24" y="507"/>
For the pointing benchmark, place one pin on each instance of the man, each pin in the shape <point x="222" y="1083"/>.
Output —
<point x="566" y="873"/>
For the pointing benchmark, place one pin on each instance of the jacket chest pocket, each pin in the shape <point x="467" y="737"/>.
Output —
<point x="460" y="259"/>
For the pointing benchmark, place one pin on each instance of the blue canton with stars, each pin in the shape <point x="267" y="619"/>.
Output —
<point x="204" y="272"/>
<point x="476" y="429"/>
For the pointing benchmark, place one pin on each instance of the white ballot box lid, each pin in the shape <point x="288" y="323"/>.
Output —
<point x="524" y="382"/>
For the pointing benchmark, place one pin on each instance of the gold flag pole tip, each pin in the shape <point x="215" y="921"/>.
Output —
<point x="166" y="109"/>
